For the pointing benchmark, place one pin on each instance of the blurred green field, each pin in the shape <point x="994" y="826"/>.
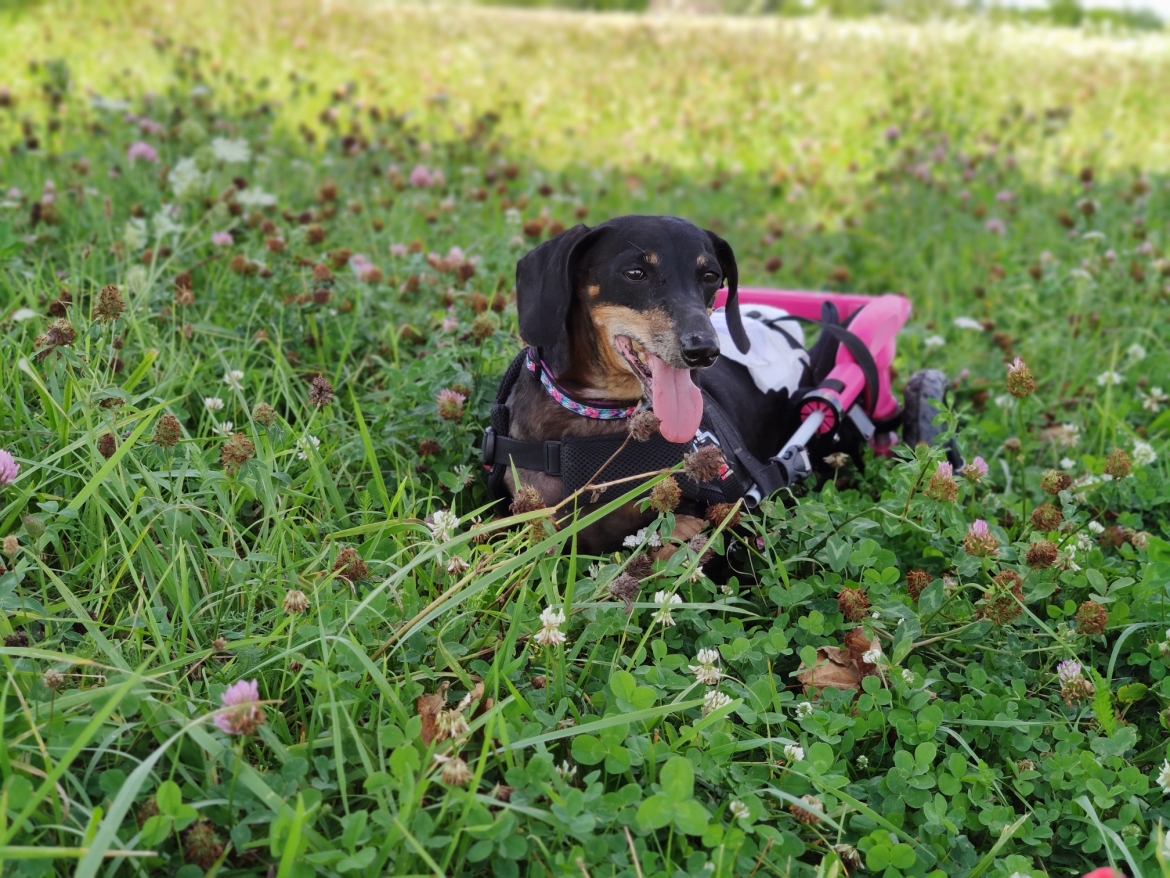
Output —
<point x="279" y="194"/>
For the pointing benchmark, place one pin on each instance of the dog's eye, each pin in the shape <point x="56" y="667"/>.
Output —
<point x="711" y="277"/>
<point x="634" y="273"/>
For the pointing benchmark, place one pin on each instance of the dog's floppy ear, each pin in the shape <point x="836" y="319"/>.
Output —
<point x="726" y="257"/>
<point x="544" y="291"/>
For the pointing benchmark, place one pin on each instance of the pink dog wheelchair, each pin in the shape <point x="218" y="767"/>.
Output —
<point x="852" y="391"/>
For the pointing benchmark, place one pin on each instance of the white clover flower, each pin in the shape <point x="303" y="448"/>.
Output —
<point x="163" y="224"/>
<point x="452" y="724"/>
<point x="565" y="770"/>
<point x="550" y="633"/>
<point x="186" y="177"/>
<point x="933" y="341"/>
<point x="225" y="429"/>
<point x="793" y="752"/>
<point x="442" y="524"/>
<point x="138" y="279"/>
<point x="212" y="403"/>
<point x="875" y="615"/>
<point x="739" y="810"/>
<point x="862" y="761"/>
<point x="1067" y="435"/>
<point x="254" y="197"/>
<point x="1005" y="401"/>
<point x="134" y="235"/>
<point x="708" y="656"/>
<point x="1067" y="463"/>
<point x="1109" y="377"/>
<point x="231" y="152"/>
<point x="706" y="670"/>
<point x="635" y="540"/>
<point x="1084" y="542"/>
<point x="713" y="701"/>
<point x="1143" y="453"/>
<point x="98" y="102"/>
<point x="305" y="443"/>
<point x="666" y="602"/>
<point x="233" y="378"/>
<point x="696" y="574"/>
<point x="907" y="675"/>
<point x="968" y="323"/>
<point x="1096" y="527"/>
<point x="1163" y="778"/>
<point x="1135" y="352"/>
<point x="1088" y="480"/>
<point x="805" y="708"/>
<point x="1154" y="400"/>
<point x="872" y="656"/>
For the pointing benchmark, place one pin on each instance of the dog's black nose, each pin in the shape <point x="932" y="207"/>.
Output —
<point x="699" y="350"/>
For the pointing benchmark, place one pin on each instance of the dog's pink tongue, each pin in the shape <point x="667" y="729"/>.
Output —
<point x="677" y="402"/>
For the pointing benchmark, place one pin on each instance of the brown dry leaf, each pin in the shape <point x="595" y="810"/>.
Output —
<point x="429" y="707"/>
<point x="858" y="645"/>
<point x="834" y="670"/>
<point x="838" y="668"/>
<point x="476" y="695"/>
<point x="685" y="527"/>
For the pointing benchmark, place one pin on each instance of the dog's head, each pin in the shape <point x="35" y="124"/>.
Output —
<point x="623" y="308"/>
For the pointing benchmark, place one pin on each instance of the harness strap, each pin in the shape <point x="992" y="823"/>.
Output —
<point x="543" y="456"/>
<point x="862" y="355"/>
<point x="823" y="354"/>
<point x="585" y="454"/>
<point x="501" y="425"/>
<point x="767" y="476"/>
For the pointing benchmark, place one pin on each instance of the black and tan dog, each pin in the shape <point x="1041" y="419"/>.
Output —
<point x="618" y="315"/>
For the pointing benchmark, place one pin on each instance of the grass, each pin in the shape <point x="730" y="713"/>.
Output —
<point x="1012" y="177"/>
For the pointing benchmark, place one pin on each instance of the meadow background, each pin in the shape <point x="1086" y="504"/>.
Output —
<point x="256" y="290"/>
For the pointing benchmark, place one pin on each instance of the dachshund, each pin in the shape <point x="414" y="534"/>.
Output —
<point x="617" y="317"/>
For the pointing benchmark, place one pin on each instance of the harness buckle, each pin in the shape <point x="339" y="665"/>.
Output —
<point x="488" y="454"/>
<point x="552" y="458"/>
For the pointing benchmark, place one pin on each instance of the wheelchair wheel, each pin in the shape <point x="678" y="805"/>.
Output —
<point x="926" y="392"/>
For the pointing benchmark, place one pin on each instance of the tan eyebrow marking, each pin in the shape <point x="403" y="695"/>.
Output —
<point x="651" y="258"/>
<point x="702" y="260"/>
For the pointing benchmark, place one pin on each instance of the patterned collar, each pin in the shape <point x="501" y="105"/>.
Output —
<point x="601" y="411"/>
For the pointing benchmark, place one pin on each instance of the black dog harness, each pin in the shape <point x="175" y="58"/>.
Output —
<point x="580" y="461"/>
